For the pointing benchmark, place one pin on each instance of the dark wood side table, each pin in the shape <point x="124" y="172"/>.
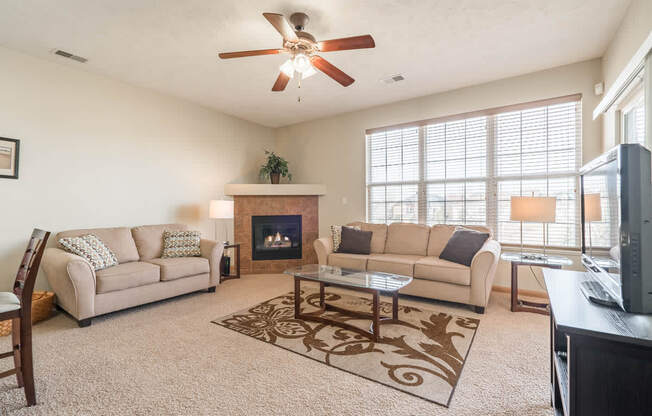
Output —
<point x="525" y="259"/>
<point x="223" y="276"/>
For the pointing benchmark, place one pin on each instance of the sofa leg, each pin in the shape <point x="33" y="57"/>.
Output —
<point x="211" y="289"/>
<point x="83" y="323"/>
<point x="478" y="309"/>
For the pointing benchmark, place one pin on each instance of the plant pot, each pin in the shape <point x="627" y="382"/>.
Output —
<point x="275" y="177"/>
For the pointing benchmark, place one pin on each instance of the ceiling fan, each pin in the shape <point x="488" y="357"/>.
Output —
<point x="303" y="48"/>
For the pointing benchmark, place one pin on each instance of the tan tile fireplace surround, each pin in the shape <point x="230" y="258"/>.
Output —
<point x="265" y="200"/>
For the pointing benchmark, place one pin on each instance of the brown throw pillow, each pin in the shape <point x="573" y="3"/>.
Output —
<point x="336" y="235"/>
<point x="463" y="245"/>
<point x="355" y="241"/>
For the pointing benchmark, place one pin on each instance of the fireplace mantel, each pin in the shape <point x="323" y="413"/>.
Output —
<point x="261" y="189"/>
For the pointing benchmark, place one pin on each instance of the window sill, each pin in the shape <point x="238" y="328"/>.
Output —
<point x="563" y="251"/>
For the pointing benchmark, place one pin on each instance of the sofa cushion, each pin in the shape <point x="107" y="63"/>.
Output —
<point x="181" y="244"/>
<point x="439" y="270"/>
<point x="126" y="275"/>
<point x="355" y="241"/>
<point x="348" y="261"/>
<point x="336" y="235"/>
<point x="118" y="240"/>
<point x="441" y="233"/>
<point x="149" y="239"/>
<point x="177" y="267"/>
<point x="463" y="245"/>
<point x="378" y="237"/>
<point x="393" y="263"/>
<point x="405" y="238"/>
<point x="92" y="249"/>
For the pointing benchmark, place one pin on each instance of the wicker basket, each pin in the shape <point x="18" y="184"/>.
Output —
<point x="42" y="304"/>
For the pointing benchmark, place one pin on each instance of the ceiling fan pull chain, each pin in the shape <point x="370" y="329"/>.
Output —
<point x="299" y="86"/>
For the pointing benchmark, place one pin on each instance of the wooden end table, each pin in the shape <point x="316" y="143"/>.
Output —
<point x="526" y="259"/>
<point x="223" y="276"/>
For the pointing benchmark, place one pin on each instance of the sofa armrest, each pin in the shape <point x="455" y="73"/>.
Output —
<point x="72" y="279"/>
<point x="212" y="250"/>
<point x="323" y="247"/>
<point x="483" y="271"/>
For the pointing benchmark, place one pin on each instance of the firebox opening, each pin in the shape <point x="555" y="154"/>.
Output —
<point x="276" y="237"/>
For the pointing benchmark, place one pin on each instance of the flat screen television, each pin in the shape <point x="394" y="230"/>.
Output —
<point x="616" y="216"/>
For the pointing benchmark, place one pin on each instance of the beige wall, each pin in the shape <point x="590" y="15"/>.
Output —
<point x="633" y="30"/>
<point x="332" y="150"/>
<point x="97" y="152"/>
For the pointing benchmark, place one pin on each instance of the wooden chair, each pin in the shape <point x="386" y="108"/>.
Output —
<point x="17" y="306"/>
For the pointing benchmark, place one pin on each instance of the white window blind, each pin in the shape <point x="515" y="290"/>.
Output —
<point x="464" y="171"/>
<point x="393" y="176"/>
<point x="456" y="165"/>
<point x="538" y="153"/>
<point x="634" y="121"/>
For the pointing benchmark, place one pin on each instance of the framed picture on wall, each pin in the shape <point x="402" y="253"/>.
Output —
<point x="9" y="149"/>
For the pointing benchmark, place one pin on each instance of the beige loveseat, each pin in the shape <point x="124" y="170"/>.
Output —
<point x="141" y="276"/>
<point x="413" y="250"/>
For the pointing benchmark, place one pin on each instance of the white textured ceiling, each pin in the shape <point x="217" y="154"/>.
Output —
<point x="171" y="46"/>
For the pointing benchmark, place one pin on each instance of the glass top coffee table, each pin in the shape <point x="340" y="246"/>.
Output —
<point x="362" y="281"/>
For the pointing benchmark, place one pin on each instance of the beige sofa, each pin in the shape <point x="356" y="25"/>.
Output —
<point x="141" y="276"/>
<point x="413" y="250"/>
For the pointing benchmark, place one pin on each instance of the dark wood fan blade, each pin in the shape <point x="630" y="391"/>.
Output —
<point x="242" y="54"/>
<point x="281" y="82"/>
<point x="331" y="70"/>
<point x="281" y="24"/>
<point x="355" y="42"/>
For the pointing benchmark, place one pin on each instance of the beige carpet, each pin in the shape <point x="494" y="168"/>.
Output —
<point x="168" y="358"/>
<point x="422" y="354"/>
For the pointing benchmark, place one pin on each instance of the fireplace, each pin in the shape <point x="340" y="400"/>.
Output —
<point x="275" y="237"/>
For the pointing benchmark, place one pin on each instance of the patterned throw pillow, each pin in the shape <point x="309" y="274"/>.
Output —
<point x="336" y="232"/>
<point x="92" y="249"/>
<point x="181" y="244"/>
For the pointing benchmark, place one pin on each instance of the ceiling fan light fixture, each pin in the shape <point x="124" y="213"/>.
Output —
<point x="302" y="63"/>
<point x="308" y="73"/>
<point x="302" y="48"/>
<point x="288" y="68"/>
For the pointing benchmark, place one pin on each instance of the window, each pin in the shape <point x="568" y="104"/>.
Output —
<point x="464" y="170"/>
<point x="633" y="120"/>
<point x="455" y="176"/>
<point x="393" y="176"/>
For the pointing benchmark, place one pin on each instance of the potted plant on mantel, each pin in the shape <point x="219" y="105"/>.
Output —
<point x="274" y="168"/>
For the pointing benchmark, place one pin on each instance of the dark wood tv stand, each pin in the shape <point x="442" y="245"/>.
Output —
<point x="601" y="358"/>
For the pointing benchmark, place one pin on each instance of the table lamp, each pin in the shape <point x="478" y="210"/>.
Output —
<point x="221" y="210"/>
<point x="592" y="212"/>
<point x="533" y="209"/>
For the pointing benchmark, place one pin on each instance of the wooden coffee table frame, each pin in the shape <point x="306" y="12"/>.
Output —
<point x="376" y="319"/>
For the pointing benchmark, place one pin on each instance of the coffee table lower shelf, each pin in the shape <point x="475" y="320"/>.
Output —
<point x="374" y="316"/>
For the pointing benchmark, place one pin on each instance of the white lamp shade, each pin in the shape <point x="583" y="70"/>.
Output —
<point x="220" y="209"/>
<point x="592" y="208"/>
<point x="533" y="209"/>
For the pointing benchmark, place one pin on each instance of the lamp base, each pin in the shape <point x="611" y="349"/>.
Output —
<point x="534" y="256"/>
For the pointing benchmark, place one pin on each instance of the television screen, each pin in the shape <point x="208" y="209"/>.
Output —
<point x="602" y="220"/>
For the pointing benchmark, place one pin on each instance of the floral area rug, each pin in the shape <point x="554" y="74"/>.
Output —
<point x="422" y="356"/>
